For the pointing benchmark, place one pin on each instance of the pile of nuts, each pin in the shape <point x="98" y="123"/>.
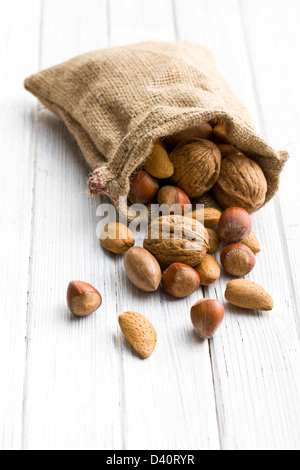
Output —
<point x="194" y="166"/>
<point x="192" y="163"/>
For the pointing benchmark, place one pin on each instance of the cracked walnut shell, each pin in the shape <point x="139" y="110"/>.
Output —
<point x="197" y="164"/>
<point x="241" y="183"/>
<point x="175" y="239"/>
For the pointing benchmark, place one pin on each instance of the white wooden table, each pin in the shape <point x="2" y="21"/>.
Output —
<point x="76" y="384"/>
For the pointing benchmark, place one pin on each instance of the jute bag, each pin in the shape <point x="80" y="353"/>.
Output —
<point x="118" y="101"/>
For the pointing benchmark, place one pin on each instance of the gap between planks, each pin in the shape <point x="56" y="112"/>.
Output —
<point x="30" y="258"/>
<point x="276" y="200"/>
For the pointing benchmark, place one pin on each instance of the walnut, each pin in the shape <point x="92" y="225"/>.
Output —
<point x="241" y="183"/>
<point x="177" y="239"/>
<point x="197" y="164"/>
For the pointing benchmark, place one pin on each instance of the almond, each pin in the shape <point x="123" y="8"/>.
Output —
<point x="116" y="237"/>
<point x="247" y="294"/>
<point x="158" y="164"/>
<point x="227" y="149"/>
<point x="252" y="243"/>
<point x="209" y="216"/>
<point x="202" y="131"/>
<point x="214" y="241"/>
<point x="140" y="333"/>
<point x="220" y="133"/>
<point x="142" y="269"/>
<point x="208" y="270"/>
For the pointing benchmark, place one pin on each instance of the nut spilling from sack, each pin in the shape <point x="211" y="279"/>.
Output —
<point x="196" y="167"/>
<point x="169" y="118"/>
<point x="177" y="255"/>
<point x="169" y="131"/>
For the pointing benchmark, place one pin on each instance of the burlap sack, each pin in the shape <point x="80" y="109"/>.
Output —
<point x="118" y="101"/>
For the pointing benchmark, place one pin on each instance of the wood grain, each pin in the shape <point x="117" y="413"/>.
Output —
<point x="17" y="149"/>
<point x="68" y="383"/>
<point x="252" y="359"/>
<point x="72" y="386"/>
<point x="276" y="82"/>
<point x="161" y="395"/>
<point x="134" y="21"/>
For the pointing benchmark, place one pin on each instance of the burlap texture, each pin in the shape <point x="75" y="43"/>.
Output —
<point x="118" y="101"/>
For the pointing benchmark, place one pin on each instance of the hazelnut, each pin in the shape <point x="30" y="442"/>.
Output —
<point x="234" y="225"/>
<point x="143" y="188"/>
<point x="214" y="241"/>
<point x="180" y="280"/>
<point x="142" y="269"/>
<point x="241" y="183"/>
<point x="206" y="316"/>
<point x="82" y="298"/>
<point x="208" y="270"/>
<point x="202" y="131"/>
<point x="171" y="195"/>
<point x="116" y="237"/>
<point x="197" y="166"/>
<point x="177" y="239"/>
<point x="158" y="163"/>
<point x="237" y="259"/>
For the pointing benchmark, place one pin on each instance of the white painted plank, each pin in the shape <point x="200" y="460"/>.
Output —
<point x="276" y="71"/>
<point x="72" y="386"/>
<point x="210" y="25"/>
<point x="255" y="356"/>
<point x="134" y="21"/>
<point x="168" y="399"/>
<point x="19" y="52"/>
